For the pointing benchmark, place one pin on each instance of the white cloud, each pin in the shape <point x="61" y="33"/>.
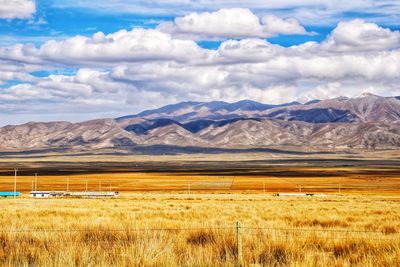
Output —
<point x="359" y="36"/>
<point x="148" y="68"/>
<point x="230" y="23"/>
<point x="13" y="71"/>
<point x="122" y="46"/>
<point x="327" y="12"/>
<point x="26" y="53"/>
<point x="17" y="9"/>
<point x="248" y="50"/>
<point x="107" y="50"/>
<point x="86" y="85"/>
<point x="276" y="25"/>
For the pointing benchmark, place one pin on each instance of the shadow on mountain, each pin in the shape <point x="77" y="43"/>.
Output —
<point x="153" y="150"/>
<point x="315" y="115"/>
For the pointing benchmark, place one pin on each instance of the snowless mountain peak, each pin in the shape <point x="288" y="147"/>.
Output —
<point x="368" y="95"/>
<point x="364" y="122"/>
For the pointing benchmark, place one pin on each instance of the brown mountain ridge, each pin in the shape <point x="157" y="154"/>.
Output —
<point x="364" y="122"/>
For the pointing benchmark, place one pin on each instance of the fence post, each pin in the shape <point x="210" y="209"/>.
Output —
<point x="239" y="247"/>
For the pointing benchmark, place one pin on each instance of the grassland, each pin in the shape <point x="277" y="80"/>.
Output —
<point x="200" y="182"/>
<point x="366" y="172"/>
<point x="182" y="210"/>
<point x="170" y="229"/>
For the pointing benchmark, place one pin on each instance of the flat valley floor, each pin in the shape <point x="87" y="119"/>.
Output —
<point x="363" y="172"/>
<point x="183" y="211"/>
<point x="178" y="229"/>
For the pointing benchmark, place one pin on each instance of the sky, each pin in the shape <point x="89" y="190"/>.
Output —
<point x="84" y="59"/>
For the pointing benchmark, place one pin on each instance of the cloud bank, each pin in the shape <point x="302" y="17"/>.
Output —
<point x="131" y="70"/>
<point x="314" y="12"/>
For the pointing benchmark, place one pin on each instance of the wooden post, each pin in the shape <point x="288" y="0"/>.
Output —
<point x="67" y="184"/>
<point x="339" y="189"/>
<point x="264" y="187"/>
<point x="86" y="187"/>
<point x="239" y="247"/>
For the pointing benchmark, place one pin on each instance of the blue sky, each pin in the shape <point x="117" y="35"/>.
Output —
<point x="53" y="22"/>
<point x="56" y="20"/>
<point x="136" y="55"/>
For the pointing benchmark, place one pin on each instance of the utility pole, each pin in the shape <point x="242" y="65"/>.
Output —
<point x="188" y="187"/>
<point x="15" y="182"/>
<point x="264" y="187"/>
<point x="300" y="188"/>
<point x="86" y="186"/>
<point x="339" y="189"/>
<point x="68" y="184"/>
<point x="100" y="186"/>
<point x="110" y="185"/>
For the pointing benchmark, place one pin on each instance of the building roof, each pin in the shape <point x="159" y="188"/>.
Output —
<point x="9" y="194"/>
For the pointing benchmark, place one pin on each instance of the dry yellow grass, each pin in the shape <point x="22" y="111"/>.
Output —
<point x="129" y="231"/>
<point x="365" y="171"/>
<point x="157" y="223"/>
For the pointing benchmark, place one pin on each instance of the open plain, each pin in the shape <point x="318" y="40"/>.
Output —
<point x="172" y="229"/>
<point x="365" y="172"/>
<point x="182" y="210"/>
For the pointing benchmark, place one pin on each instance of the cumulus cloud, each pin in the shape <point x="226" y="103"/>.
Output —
<point x="104" y="50"/>
<point x="230" y="23"/>
<point x="26" y="53"/>
<point x="128" y="71"/>
<point x="358" y="35"/>
<point x="17" y="9"/>
<point x="134" y="45"/>
<point x="276" y="25"/>
<point x="85" y="85"/>
<point x="248" y="50"/>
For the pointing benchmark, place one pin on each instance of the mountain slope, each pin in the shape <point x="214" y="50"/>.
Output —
<point x="216" y="110"/>
<point x="314" y="115"/>
<point x="365" y="122"/>
<point x="365" y="108"/>
<point x="93" y="134"/>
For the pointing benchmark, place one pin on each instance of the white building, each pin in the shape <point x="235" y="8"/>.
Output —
<point x="46" y="194"/>
<point x="77" y="194"/>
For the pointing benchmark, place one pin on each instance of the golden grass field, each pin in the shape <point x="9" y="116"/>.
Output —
<point x="180" y="229"/>
<point x="195" y="182"/>
<point x="173" y="212"/>
<point x="364" y="172"/>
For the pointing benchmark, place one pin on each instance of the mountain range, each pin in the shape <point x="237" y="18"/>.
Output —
<point x="365" y="122"/>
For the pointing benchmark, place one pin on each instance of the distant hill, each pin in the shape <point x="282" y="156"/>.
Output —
<point x="364" y="122"/>
<point x="216" y="110"/>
